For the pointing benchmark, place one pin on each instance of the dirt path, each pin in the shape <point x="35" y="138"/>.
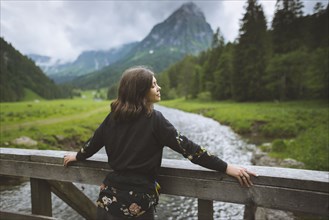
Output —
<point x="49" y="121"/>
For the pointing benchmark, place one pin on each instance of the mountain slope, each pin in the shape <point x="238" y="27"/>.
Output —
<point x="184" y="32"/>
<point x="20" y="74"/>
<point x="87" y="62"/>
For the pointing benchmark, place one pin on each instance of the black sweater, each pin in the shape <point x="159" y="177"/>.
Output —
<point x="136" y="146"/>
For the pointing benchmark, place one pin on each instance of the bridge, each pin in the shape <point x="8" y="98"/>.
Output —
<point x="296" y="190"/>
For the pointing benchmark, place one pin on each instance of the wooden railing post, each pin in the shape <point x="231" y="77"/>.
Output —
<point x="40" y="197"/>
<point x="249" y="212"/>
<point x="205" y="209"/>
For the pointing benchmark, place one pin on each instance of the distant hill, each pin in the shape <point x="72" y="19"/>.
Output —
<point x="19" y="74"/>
<point x="88" y="61"/>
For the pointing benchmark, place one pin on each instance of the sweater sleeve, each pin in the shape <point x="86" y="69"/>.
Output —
<point x="93" y="145"/>
<point x="169" y="136"/>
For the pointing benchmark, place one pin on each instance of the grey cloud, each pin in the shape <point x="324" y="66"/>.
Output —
<point x="63" y="29"/>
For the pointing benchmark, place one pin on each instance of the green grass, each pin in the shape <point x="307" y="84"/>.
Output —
<point x="298" y="130"/>
<point x="301" y="125"/>
<point x="58" y="124"/>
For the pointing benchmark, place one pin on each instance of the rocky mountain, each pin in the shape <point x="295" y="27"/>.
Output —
<point x="88" y="61"/>
<point x="184" y="32"/>
<point x="20" y="75"/>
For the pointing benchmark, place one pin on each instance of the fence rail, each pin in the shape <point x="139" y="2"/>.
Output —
<point x="295" y="190"/>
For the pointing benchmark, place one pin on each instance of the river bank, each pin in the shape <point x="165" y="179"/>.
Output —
<point x="281" y="129"/>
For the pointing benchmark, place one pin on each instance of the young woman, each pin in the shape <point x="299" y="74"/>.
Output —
<point x="134" y="135"/>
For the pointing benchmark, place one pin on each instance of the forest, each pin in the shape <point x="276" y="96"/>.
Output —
<point x="286" y="61"/>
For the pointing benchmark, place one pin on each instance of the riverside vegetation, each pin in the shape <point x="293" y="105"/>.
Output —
<point x="297" y="129"/>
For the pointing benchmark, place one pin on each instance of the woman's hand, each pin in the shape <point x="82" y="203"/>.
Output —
<point x="241" y="173"/>
<point x="69" y="158"/>
<point x="102" y="187"/>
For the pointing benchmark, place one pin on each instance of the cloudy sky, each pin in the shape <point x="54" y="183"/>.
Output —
<point x="63" y="29"/>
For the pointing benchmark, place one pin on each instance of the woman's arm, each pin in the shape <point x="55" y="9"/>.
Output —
<point x="200" y="156"/>
<point x="169" y="136"/>
<point x="92" y="146"/>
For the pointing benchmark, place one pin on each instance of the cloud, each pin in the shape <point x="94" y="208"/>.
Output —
<point x="63" y="29"/>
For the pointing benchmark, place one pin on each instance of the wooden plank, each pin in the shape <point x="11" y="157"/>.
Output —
<point x="40" y="197"/>
<point x="205" y="209"/>
<point x="70" y="194"/>
<point x="19" y="216"/>
<point x="58" y="172"/>
<point x="264" y="196"/>
<point x="270" y="176"/>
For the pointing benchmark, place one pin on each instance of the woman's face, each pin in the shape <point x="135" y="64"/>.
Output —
<point x="153" y="94"/>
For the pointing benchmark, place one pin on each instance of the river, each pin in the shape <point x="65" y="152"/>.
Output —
<point x="216" y="138"/>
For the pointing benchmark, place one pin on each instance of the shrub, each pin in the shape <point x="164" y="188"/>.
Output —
<point x="204" y="96"/>
<point x="311" y="147"/>
<point x="279" y="146"/>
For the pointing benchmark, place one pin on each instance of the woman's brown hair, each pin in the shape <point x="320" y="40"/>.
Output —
<point x="131" y="102"/>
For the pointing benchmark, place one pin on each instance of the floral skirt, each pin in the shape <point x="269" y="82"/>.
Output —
<point x="126" y="203"/>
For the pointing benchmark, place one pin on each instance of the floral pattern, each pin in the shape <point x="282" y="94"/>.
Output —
<point x="126" y="202"/>
<point x="182" y="143"/>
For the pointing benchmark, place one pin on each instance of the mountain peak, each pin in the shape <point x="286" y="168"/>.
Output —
<point x="184" y="31"/>
<point x="190" y="8"/>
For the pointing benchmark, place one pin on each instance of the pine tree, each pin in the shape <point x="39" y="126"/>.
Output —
<point x="250" y="55"/>
<point x="211" y="66"/>
<point x="287" y="29"/>
<point x="223" y="76"/>
<point x="286" y="75"/>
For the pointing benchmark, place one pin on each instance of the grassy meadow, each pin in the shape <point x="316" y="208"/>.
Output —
<point x="59" y="124"/>
<point x="297" y="130"/>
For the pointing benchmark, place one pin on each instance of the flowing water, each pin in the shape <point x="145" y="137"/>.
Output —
<point x="216" y="138"/>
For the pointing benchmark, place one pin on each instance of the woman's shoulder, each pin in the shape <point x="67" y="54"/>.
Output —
<point x="158" y="117"/>
<point x="108" y="118"/>
<point x="157" y="114"/>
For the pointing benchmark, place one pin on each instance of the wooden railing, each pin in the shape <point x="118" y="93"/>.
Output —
<point x="293" y="190"/>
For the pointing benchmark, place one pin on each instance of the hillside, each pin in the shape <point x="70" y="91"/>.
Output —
<point x="184" y="32"/>
<point x="88" y="61"/>
<point x="19" y="75"/>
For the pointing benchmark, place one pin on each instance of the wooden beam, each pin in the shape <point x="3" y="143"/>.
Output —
<point x="40" y="197"/>
<point x="288" y="199"/>
<point x="205" y="209"/>
<point x="70" y="194"/>
<point x="19" y="216"/>
<point x="268" y="176"/>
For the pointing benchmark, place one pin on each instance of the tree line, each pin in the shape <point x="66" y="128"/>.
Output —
<point x="18" y="74"/>
<point x="287" y="61"/>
